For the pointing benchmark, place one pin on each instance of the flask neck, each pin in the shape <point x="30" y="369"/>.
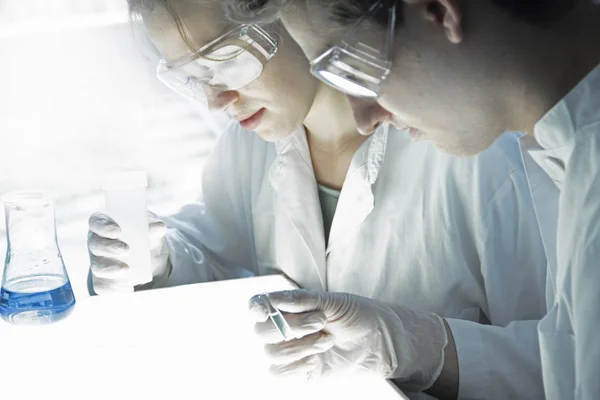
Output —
<point x="31" y="228"/>
<point x="33" y="259"/>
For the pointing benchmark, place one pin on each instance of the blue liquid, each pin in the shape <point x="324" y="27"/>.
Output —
<point x="34" y="305"/>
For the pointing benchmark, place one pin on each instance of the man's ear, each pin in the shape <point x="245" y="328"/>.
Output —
<point x="445" y="13"/>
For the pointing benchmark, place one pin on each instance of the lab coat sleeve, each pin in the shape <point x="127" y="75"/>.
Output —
<point x="578" y="296"/>
<point x="502" y="360"/>
<point x="212" y="239"/>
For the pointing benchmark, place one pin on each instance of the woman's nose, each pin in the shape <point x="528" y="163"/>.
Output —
<point x="368" y="115"/>
<point x="220" y="100"/>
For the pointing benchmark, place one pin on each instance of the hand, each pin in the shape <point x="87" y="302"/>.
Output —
<point x="107" y="253"/>
<point x="344" y="333"/>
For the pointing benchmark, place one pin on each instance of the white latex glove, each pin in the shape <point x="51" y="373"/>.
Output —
<point x="344" y="333"/>
<point x="107" y="253"/>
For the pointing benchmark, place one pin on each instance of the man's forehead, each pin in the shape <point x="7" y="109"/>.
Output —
<point x="202" y="22"/>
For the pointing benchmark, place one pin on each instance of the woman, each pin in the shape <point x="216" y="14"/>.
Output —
<point x="419" y="234"/>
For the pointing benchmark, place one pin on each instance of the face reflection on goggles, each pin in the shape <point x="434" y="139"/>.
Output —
<point x="230" y="62"/>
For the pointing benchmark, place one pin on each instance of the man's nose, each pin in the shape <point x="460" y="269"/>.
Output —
<point x="368" y="114"/>
<point x="219" y="100"/>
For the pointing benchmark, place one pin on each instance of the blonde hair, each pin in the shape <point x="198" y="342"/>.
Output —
<point x="138" y="7"/>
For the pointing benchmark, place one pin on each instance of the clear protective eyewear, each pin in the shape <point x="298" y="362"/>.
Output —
<point x="363" y="60"/>
<point x="230" y="62"/>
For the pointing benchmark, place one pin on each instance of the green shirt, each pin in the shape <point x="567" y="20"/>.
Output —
<point x="329" y="200"/>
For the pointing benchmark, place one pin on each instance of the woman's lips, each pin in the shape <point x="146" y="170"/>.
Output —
<point x="253" y="121"/>
<point x="415" y="134"/>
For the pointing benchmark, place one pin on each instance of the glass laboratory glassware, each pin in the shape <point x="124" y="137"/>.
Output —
<point x="361" y="63"/>
<point x="35" y="285"/>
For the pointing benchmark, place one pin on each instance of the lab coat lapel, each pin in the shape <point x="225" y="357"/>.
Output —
<point x="545" y="199"/>
<point x="356" y="199"/>
<point x="293" y="180"/>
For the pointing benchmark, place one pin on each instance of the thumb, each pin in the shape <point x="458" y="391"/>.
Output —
<point x="104" y="226"/>
<point x="297" y="301"/>
<point x="258" y="308"/>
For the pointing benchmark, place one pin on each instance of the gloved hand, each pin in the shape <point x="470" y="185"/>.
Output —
<point x="107" y="253"/>
<point x="344" y="333"/>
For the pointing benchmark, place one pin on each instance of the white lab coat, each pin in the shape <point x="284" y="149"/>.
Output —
<point x="569" y="139"/>
<point x="414" y="226"/>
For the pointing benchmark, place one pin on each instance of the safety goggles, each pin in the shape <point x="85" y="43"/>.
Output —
<point x="230" y="62"/>
<point x="362" y="61"/>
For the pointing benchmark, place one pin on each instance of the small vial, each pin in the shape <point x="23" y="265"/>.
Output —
<point x="277" y="318"/>
<point x="125" y="199"/>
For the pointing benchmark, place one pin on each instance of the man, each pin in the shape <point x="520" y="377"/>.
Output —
<point x="527" y="66"/>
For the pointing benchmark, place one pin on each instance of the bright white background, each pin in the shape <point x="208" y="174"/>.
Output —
<point x="77" y="100"/>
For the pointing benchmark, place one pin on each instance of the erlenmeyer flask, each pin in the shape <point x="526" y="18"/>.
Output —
<point x="35" y="285"/>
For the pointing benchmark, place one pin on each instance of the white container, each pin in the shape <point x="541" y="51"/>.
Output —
<point x="125" y="199"/>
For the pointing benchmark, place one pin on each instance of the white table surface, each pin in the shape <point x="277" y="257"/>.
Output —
<point x="189" y="342"/>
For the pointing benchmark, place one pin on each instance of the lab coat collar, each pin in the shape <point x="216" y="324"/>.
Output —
<point x="551" y="149"/>
<point x="556" y="131"/>
<point x="370" y="154"/>
<point x="296" y="143"/>
<point x="293" y="180"/>
<point x="356" y="199"/>
<point x="545" y="201"/>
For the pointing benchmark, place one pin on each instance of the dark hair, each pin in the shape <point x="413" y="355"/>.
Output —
<point x="349" y="11"/>
<point x="538" y="12"/>
<point x="346" y="12"/>
<point x="342" y="13"/>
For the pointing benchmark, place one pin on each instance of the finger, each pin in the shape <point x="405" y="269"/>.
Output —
<point x="104" y="247"/>
<point x="258" y="309"/>
<point x="301" y="325"/>
<point x="157" y="228"/>
<point x="155" y="223"/>
<point x="109" y="268"/>
<point x="321" y="371"/>
<point x="107" y="286"/>
<point x="156" y="237"/>
<point x="261" y="307"/>
<point x="287" y="352"/>
<point x="299" y="367"/>
<point x="103" y="225"/>
<point x="296" y="301"/>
